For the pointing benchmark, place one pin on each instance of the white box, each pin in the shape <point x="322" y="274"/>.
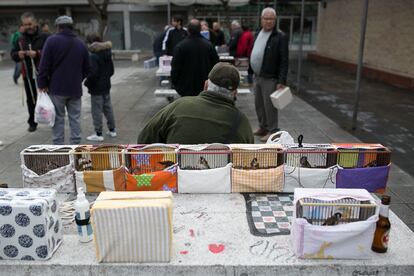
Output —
<point x="30" y="227"/>
<point x="281" y="98"/>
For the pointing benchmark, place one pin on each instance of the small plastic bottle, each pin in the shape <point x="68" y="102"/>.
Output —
<point x="82" y="217"/>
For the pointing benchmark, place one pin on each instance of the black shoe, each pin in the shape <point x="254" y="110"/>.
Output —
<point x="32" y="128"/>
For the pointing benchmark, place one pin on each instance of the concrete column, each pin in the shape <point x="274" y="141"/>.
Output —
<point x="68" y="11"/>
<point x="127" y="28"/>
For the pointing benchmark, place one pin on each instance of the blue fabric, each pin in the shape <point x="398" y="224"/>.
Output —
<point x="371" y="178"/>
<point x="64" y="79"/>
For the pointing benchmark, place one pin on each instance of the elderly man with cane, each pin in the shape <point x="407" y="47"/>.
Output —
<point x="27" y="50"/>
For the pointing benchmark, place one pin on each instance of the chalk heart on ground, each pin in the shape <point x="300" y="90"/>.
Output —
<point x="216" y="248"/>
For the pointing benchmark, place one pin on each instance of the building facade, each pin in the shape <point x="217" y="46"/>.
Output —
<point x="389" y="39"/>
<point x="134" y="24"/>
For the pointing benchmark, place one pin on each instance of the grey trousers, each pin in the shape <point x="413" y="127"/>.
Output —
<point x="102" y="104"/>
<point x="73" y="106"/>
<point x="266" y="113"/>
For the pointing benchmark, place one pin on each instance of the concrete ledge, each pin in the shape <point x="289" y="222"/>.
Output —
<point x="162" y="73"/>
<point x="202" y="220"/>
<point x="376" y="74"/>
<point x="132" y="55"/>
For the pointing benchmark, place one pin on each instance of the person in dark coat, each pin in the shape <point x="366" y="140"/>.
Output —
<point x="270" y="63"/>
<point x="157" y="44"/>
<point x="63" y="67"/>
<point x="193" y="58"/>
<point x="21" y="53"/>
<point x="235" y="34"/>
<point x="173" y="36"/>
<point x="220" y="39"/>
<point x="99" y="85"/>
<point x="208" y="33"/>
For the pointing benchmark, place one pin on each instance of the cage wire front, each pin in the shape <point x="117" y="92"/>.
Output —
<point x="363" y="158"/>
<point x="43" y="159"/>
<point x="264" y="158"/>
<point x="98" y="158"/>
<point x="210" y="157"/>
<point x="146" y="159"/>
<point x="319" y="212"/>
<point x="312" y="157"/>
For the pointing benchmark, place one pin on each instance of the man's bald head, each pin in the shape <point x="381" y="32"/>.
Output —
<point x="194" y="27"/>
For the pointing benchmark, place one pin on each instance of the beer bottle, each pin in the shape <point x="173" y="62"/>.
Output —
<point x="381" y="236"/>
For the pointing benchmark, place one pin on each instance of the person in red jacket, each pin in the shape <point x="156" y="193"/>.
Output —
<point x="244" y="48"/>
<point x="245" y="43"/>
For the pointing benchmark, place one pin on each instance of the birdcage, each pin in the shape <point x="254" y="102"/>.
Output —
<point x="310" y="166"/>
<point x="333" y="212"/>
<point x="99" y="167"/>
<point x="48" y="166"/>
<point x="204" y="168"/>
<point x="363" y="166"/>
<point x="362" y="155"/>
<point x="151" y="167"/>
<point x="333" y="223"/>
<point x="257" y="168"/>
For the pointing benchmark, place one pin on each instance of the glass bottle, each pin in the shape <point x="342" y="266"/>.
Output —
<point x="382" y="232"/>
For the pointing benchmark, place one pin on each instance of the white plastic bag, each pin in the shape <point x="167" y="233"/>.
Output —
<point x="280" y="137"/>
<point x="45" y="110"/>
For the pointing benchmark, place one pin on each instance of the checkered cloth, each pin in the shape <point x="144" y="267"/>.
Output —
<point x="260" y="180"/>
<point x="269" y="214"/>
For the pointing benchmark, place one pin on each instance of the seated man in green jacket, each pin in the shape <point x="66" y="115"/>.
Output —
<point x="210" y="117"/>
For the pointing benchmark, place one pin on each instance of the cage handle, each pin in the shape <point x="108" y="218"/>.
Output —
<point x="300" y="140"/>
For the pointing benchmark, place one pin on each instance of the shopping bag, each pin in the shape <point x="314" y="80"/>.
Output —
<point x="45" y="110"/>
<point x="280" y="137"/>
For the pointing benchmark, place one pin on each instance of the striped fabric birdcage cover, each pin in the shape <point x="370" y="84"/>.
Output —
<point x="257" y="168"/>
<point x="133" y="226"/>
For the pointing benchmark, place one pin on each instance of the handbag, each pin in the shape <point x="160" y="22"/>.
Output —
<point x="281" y="98"/>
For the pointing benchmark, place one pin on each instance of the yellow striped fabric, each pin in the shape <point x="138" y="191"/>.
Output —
<point x="133" y="226"/>
<point x="260" y="180"/>
<point x="99" y="181"/>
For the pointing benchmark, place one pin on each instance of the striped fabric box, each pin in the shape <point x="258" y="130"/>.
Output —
<point x="133" y="226"/>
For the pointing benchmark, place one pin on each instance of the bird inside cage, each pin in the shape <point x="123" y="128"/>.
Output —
<point x="333" y="220"/>
<point x="254" y="164"/>
<point x="51" y="165"/>
<point x="304" y="163"/>
<point x="203" y="164"/>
